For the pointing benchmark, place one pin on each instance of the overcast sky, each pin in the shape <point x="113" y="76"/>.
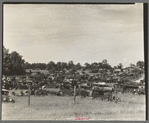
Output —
<point x="81" y="33"/>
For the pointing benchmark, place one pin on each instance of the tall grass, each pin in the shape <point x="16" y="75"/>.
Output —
<point x="132" y="107"/>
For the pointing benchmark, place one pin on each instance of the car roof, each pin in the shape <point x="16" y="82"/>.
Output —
<point x="5" y="90"/>
<point x="100" y="83"/>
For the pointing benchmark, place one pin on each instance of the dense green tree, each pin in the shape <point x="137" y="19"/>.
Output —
<point x="64" y="65"/>
<point x="87" y="65"/>
<point x="13" y="64"/>
<point x="70" y="64"/>
<point x="41" y="66"/>
<point x="132" y="65"/>
<point x="27" y="65"/>
<point x="94" y="65"/>
<point x="100" y="65"/>
<point x="120" y="66"/>
<point x="78" y="66"/>
<point x="140" y="64"/>
<point x="59" y="65"/>
<point x="51" y="65"/>
<point x="18" y="63"/>
<point x="7" y="63"/>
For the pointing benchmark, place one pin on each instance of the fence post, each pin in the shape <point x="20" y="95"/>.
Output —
<point x="29" y="95"/>
<point x="74" y="94"/>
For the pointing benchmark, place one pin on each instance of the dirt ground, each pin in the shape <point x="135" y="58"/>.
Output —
<point x="131" y="107"/>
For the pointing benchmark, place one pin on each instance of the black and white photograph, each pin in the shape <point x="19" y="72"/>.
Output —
<point x="73" y="62"/>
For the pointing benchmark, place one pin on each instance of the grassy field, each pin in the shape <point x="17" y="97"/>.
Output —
<point x="132" y="107"/>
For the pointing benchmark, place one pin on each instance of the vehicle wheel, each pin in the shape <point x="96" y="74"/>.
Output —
<point x="60" y="93"/>
<point x="93" y="98"/>
<point x="4" y="100"/>
<point x="119" y="99"/>
<point x="110" y="98"/>
<point x="13" y="93"/>
<point x="13" y="101"/>
<point x="116" y="101"/>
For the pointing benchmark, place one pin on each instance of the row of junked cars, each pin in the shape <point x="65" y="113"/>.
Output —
<point x="96" y="90"/>
<point x="63" y="89"/>
<point x="99" y="90"/>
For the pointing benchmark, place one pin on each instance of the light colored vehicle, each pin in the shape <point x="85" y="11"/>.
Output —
<point x="6" y="96"/>
<point x="141" y="89"/>
<point x="102" y="86"/>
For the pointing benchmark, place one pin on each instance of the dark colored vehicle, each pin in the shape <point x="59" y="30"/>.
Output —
<point x="68" y="89"/>
<point x="54" y="91"/>
<point x="131" y="87"/>
<point x="103" y="92"/>
<point x="85" y="90"/>
<point x="103" y="95"/>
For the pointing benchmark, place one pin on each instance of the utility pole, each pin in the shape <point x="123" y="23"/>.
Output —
<point x="29" y="94"/>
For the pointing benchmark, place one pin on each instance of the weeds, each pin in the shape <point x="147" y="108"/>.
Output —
<point x="62" y="108"/>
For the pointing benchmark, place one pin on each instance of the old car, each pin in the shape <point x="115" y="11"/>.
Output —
<point x="104" y="92"/>
<point x="104" y="95"/>
<point x="85" y="90"/>
<point x="55" y="90"/>
<point x="102" y="86"/>
<point x="141" y="89"/>
<point x="67" y="88"/>
<point x="131" y="87"/>
<point x="6" y="96"/>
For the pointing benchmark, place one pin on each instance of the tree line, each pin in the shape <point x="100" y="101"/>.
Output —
<point x="14" y="64"/>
